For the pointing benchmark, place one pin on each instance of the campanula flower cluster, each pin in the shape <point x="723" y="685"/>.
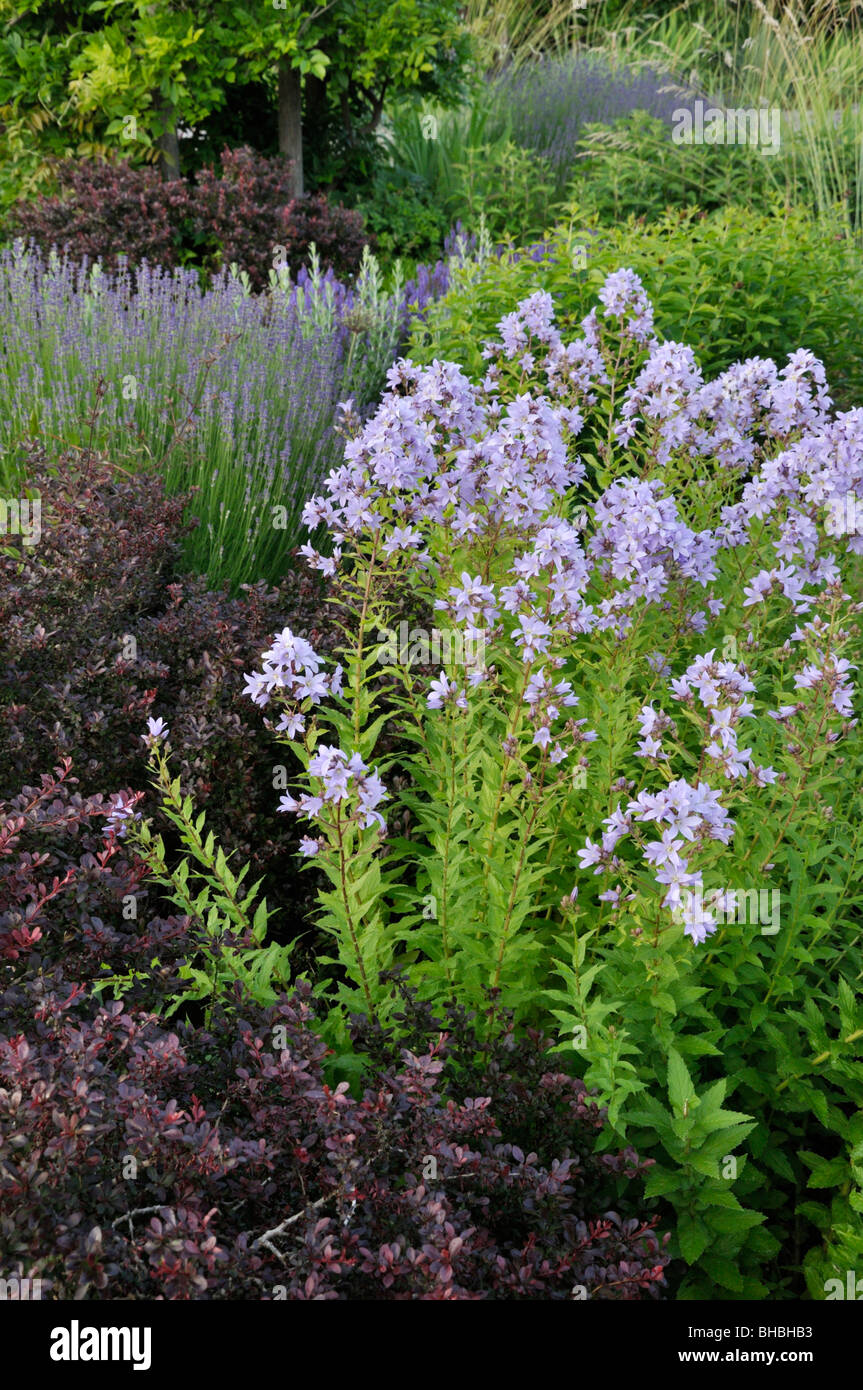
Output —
<point x="469" y="491"/>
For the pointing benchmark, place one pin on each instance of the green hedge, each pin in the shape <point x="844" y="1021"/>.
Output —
<point x="732" y="284"/>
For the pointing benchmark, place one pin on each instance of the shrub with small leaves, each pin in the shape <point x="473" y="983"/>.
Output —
<point x="101" y="628"/>
<point x="69" y="892"/>
<point x="337" y="232"/>
<point x="225" y="1164"/>
<point x="241" y="213"/>
<point x="105" y="210"/>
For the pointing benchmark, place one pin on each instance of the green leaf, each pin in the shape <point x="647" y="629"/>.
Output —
<point x="681" y="1092"/>
<point x="693" y="1237"/>
<point x="724" y="1271"/>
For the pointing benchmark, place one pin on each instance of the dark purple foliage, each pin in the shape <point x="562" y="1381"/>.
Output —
<point x="238" y="214"/>
<point x="141" y="1163"/>
<point x="108" y="210"/>
<point x="68" y="892"/>
<point x="247" y="211"/>
<point x="338" y="234"/>
<point x="228" y="1162"/>
<point x="238" y="211"/>
<point x="101" y="630"/>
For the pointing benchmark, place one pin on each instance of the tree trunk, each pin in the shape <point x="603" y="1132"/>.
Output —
<point x="167" y="143"/>
<point x="291" y="122"/>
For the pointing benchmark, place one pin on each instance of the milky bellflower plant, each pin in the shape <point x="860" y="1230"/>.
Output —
<point x="647" y="582"/>
<point x="225" y="920"/>
<point x="654" y="571"/>
<point x="456" y="498"/>
<point x="461" y="493"/>
<point x="339" y="801"/>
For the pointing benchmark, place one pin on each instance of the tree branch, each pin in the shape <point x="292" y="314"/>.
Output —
<point x="266" y="1239"/>
<point x="137" y="1211"/>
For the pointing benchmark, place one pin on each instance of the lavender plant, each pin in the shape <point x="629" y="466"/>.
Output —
<point x="547" y="104"/>
<point x="581" y="601"/>
<point x="219" y="389"/>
